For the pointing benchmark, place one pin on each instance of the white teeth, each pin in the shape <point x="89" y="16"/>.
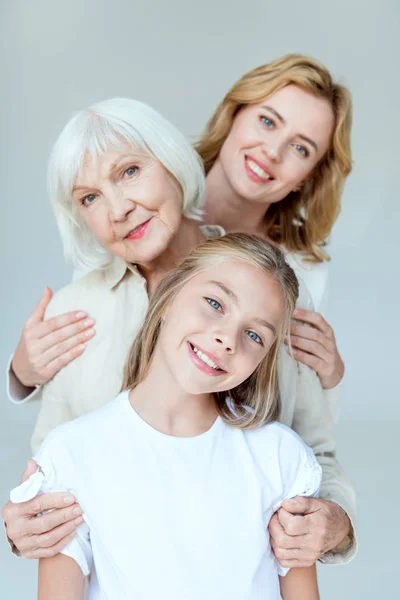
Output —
<point x="205" y="358"/>
<point x="257" y="169"/>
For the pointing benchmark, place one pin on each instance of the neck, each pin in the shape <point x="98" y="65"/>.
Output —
<point x="230" y="210"/>
<point x="163" y="404"/>
<point x="188" y="237"/>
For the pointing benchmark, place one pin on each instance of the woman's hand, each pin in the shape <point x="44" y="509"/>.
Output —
<point x="45" y="535"/>
<point x="46" y="347"/>
<point x="315" y="346"/>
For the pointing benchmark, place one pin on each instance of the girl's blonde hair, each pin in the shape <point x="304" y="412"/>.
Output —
<point x="304" y="219"/>
<point x="255" y="401"/>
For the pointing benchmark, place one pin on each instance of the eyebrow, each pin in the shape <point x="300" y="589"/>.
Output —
<point x="232" y="295"/>
<point x="300" y="135"/>
<point x="118" y="162"/>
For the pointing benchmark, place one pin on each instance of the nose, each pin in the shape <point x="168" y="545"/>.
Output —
<point x="120" y="204"/>
<point x="273" y="152"/>
<point x="225" y="340"/>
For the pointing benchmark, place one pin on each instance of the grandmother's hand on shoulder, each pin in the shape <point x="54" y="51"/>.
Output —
<point x="316" y="347"/>
<point x="45" y="347"/>
<point x="305" y="529"/>
<point x="36" y="535"/>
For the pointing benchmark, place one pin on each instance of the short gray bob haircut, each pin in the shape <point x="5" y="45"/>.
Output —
<point x="116" y="123"/>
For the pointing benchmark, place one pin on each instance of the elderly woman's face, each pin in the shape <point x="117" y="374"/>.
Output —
<point x="130" y="202"/>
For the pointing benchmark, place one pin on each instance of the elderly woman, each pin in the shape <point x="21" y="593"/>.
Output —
<point x="120" y="190"/>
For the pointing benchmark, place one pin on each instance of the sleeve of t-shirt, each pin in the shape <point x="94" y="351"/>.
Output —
<point x="301" y="473"/>
<point x="55" y="474"/>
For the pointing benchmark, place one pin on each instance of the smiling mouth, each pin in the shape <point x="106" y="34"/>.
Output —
<point x="256" y="170"/>
<point x="139" y="231"/>
<point x="203" y="361"/>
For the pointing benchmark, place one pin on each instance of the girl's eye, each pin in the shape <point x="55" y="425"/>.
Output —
<point x="302" y="150"/>
<point x="267" y="122"/>
<point x="130" y="171"/>
<point x="253" y="336"/>
<point x="216" y="305"/>
<point x="89" y="199"/>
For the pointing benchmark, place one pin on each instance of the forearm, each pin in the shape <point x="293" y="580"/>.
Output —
<point x="60" y="578"/>
<point x="300" y="584"/>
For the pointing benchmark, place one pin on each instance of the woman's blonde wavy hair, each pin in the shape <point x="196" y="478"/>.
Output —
<point x="303" y="220"/>
<point x="255" y="401"/>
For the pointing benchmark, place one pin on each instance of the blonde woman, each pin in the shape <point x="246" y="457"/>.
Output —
<point x="193" y="428"/>
<point x="276" y="153"/>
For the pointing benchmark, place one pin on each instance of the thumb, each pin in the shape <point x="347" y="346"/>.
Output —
<point x="39" y="311"/>
<point x="31" y="468"/>
<point x="300" y="505"/>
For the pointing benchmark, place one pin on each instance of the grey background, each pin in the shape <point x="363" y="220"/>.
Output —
<point x="181" y="57"/>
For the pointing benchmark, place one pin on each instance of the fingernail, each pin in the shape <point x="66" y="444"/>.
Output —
<point x="89" y="332"/>
<point x="81" y="314"/>
<point x="69" y="499"/>
<point x="77" y="511"/>
<point x="291" y="500"/>
<point x="88" y="322"/>
<point x="78" y="521"/>
<point x="295" y="312"/>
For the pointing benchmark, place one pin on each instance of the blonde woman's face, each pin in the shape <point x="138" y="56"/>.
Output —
<point x="274" y="145"/>
<point x="220" y="327"/>
<point x="131" y="204"/>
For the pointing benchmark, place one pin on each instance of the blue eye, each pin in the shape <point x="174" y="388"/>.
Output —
<point x="216" y="305"/>
<point x="130" y="171"/>
<point x="267" y="122"/>
<point x="253" y="336"/>
<point x="301" y="150"/>
<point x="89" y="199"/>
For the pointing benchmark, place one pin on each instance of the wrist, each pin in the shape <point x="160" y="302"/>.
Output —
<point x="14" y="368"/>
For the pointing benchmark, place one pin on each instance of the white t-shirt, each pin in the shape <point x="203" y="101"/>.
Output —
<point x="169" y="517"/>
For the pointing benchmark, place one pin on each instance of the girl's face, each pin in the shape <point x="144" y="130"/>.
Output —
<point x="220" y="327"/>
<point x="274" y="145"/>
<point x="130" y="202"/>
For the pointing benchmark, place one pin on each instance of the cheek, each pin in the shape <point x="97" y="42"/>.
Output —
<point x="97" y="221"/>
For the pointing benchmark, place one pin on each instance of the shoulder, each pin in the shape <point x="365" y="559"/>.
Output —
<point x="280" y="441"/>
<point x="314" y="276"/>
<point x="76" y="294"/>
<point x="286" y="460"/>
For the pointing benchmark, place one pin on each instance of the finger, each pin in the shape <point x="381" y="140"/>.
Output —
<point x="56" y="323"/>
<point x="31" y="469"/>
<point x="45" y="523"/>
<point x="310" y="360"/>
<point x="51" y="551"/>
<point x="46" y="502"/>
<point x="279" y="538"/>
<point x="64" y="337"/>
<point x="293" y="525"/>
<point x="301" y="505"/>
<point x="61" y="345"/>
<point x="312" y="348"/>
<point x="53" y="537"/>
<point x="291" y="564"/>
<point x="313" y="318"/>
<point x="311" y="333"/>
<point x="38" y="313"/>
<point x="284" y="554"/>
<point x="62" y="361"/>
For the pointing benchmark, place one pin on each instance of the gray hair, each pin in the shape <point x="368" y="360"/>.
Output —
<point x="109" y="124"/>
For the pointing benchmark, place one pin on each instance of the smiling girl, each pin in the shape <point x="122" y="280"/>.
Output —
<point x="190" y="446"/>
